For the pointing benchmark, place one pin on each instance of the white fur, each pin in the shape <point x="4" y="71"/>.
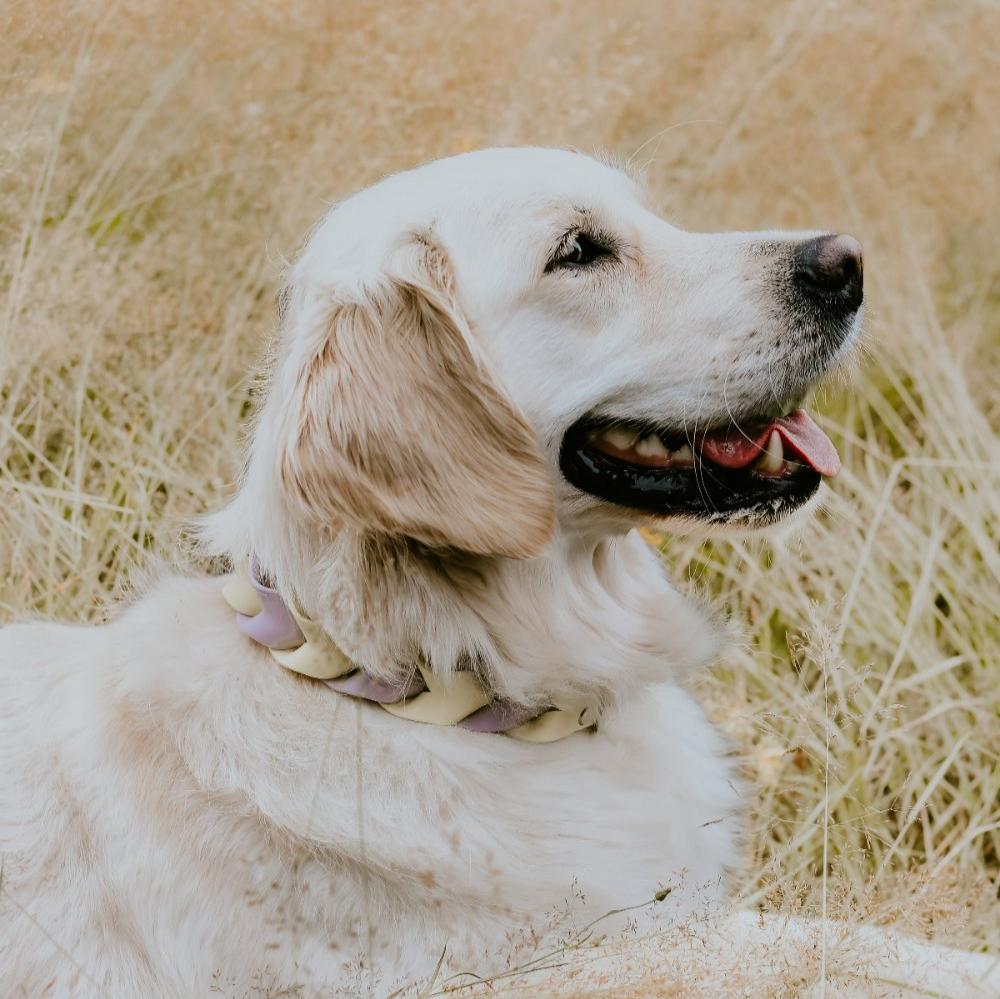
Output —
<point x="176" y="811"/>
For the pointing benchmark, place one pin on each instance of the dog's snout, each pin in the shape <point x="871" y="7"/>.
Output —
<point x="829" y="270"/>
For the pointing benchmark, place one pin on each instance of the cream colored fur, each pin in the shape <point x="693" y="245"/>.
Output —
<point x="176" y="812"/>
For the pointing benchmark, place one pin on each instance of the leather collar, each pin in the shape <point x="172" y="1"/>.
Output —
<point x="297" y="643"/>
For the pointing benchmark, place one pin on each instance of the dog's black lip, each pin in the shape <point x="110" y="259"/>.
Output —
<point x="705" y="492"/>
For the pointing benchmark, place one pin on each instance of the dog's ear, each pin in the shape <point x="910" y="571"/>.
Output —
<point x="394" y="424"/>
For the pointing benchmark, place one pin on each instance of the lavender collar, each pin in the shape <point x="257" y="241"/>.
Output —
<point x="299" y="644"/>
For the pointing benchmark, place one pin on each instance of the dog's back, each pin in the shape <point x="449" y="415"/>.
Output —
<point x="174" y="806"/>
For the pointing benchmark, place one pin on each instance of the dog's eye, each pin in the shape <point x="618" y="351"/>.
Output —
<point x="578" y="250"/>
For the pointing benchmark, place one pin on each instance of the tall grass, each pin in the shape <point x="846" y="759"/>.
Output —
<point x="159" y="161"/>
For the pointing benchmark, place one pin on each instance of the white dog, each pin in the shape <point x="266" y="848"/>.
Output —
<point x="489" y="371"/>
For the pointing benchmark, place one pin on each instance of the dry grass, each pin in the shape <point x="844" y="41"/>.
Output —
<point x="157" y="162"/>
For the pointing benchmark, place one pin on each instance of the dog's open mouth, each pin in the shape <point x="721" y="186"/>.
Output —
<point x="752" y="473"/>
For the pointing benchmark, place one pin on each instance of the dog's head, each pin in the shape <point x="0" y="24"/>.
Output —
<point x="490" y="345"/>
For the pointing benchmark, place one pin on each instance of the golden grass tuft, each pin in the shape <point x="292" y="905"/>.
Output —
<point x="159" y="161"/>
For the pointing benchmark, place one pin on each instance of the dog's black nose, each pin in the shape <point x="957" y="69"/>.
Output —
<point x="829" y="270"/>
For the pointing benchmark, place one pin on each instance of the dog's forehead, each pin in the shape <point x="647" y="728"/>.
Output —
<point x="519" y="176"/>
<point x="464" y="193"/>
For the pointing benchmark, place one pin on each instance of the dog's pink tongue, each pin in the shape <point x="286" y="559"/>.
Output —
<point x="800" y="437"/>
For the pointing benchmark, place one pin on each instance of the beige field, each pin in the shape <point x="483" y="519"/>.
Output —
<point x="160" y="161"/>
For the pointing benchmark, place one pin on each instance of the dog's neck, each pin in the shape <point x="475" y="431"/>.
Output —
<point x="591" y="620"/>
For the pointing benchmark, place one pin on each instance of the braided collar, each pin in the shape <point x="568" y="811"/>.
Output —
<point x="299" y="644"/>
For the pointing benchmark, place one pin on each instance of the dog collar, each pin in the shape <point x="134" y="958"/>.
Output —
<point x="298" y="644"/>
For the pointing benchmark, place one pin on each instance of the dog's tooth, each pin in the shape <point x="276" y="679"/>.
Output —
<point x="621" y="438"/>
<point x="684" y="454"/>
<point x="773" y="458"/>
<point x="652" y="447"/>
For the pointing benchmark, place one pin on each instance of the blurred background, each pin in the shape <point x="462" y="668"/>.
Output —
<point x="159" y="163"/>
